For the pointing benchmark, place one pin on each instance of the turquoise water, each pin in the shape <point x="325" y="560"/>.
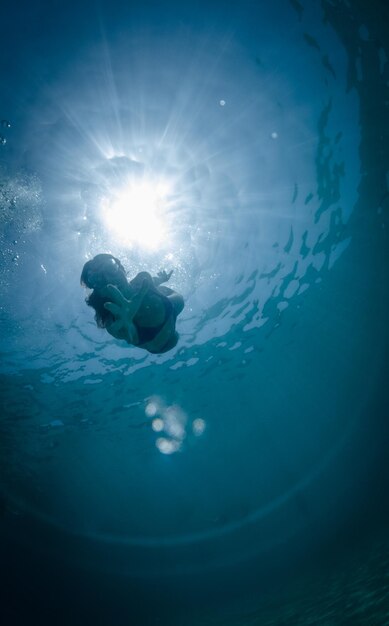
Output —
<point x="217" y="482"/>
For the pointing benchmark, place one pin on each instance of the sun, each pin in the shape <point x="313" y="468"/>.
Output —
<point x="137" y="214"/>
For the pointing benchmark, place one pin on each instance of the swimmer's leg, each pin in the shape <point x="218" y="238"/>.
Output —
<point x="141" y="278"/>
<point x="175" y="298"/>
<point x="178" y="302"/>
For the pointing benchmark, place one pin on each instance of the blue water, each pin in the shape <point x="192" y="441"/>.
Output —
<point x="234" y="477"/>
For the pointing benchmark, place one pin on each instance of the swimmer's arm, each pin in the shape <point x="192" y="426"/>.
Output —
<point x="162" y="277"/>
<point x="124" y="312"/>
<point x="129" y="332"/>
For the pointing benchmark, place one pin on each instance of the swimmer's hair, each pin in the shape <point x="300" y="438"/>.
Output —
<point x="92" y="274"/>
<point x="103" y="318"/>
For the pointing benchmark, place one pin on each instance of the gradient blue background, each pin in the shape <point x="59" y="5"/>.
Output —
<point x="278" y="237"/>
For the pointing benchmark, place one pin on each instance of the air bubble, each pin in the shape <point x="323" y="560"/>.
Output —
<point x="198" y="426"/>
<point x="5" y="124"/>
<point x="3" y="140"/>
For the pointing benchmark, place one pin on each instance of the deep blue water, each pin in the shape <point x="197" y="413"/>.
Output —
<point x="242" y="477"/>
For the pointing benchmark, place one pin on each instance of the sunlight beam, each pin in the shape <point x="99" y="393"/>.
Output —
<point x="136" y="214"/>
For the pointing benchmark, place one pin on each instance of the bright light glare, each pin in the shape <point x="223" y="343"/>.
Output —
<point x="167" y="446"/>
<point x="157" y="425"/>
<point x="198" y="426"/>
<point x="137" y="214"/>
<point x="151" y="409"/>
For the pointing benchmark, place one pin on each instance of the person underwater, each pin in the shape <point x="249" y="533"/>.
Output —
<point x="140" y="311"/>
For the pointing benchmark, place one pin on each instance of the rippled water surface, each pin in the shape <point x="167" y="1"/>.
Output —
<point x="245" y="148"/>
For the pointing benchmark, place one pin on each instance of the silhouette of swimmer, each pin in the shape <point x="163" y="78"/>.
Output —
<point x="140" y="311"/>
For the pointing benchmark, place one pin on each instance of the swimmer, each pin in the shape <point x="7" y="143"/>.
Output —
<point x="140" y="311"/>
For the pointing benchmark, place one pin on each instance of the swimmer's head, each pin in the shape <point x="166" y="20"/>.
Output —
<point x="103" y="270"/>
